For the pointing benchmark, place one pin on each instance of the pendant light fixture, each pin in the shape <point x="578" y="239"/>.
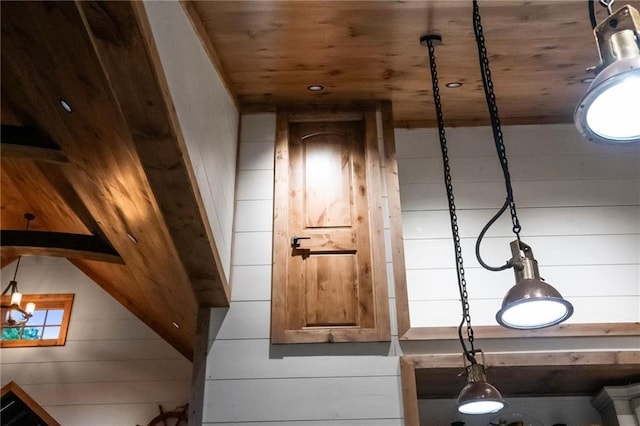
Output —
<point x="608" y="112"/>
<point x="14" y="315"/>
<point x="531" y="303"/>
<point x="478" y="396"/>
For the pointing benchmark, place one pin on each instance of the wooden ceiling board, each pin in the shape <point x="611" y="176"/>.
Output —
<point x="26" y="189"/>
<point x="271" y="51"/>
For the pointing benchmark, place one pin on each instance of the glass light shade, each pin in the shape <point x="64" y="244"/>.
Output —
<point x="16" y="298"/>
<point x="31" y="308"/>
<point x="608" y="113"/>
<point x="480" y="398"/>
<point x="532" y="304"/>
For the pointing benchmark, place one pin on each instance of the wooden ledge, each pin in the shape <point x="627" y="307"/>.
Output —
<point x="496" y="332"/>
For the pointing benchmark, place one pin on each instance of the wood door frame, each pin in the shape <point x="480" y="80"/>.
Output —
<point x="366" y="112"/>
<point x="410" y="363"/>
<point x="29" y="402"/>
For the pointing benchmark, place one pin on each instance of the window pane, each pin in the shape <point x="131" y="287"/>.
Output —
<point x="37" y="318"/>
<point x="10" y="333"/>
<point x="55" y="316"/>
<point x="51" y="332"/>
<point x="31" y="333"/>
<point x="46" y="327"/>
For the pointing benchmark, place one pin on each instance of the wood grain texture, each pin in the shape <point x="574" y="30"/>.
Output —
<point x="329" y="165"/>
<point x="272" y="50"/>
<point x="409" y="392"/>
<point x="128" y="180"/>
<point x="30" y="402"/>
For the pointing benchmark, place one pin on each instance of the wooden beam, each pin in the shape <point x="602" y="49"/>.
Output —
<point x="150" y="114"/>
<point x="409" y="392"/>
<point x="29" y="142"/>
<point x="49" y="51"/>
<point x="496" y="332"/>
<point x="59" y="244"/>
<point x="33" y="152"/>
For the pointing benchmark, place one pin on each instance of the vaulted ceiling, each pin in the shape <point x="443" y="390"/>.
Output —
<point x="112" y="170"/>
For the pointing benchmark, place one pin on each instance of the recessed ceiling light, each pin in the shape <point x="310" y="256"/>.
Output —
<point x="65" y="105"/>
<point x="175" y="324"/>
<point x="453" y="84"/>
<point x="132" y="238"/>
<point x="315" y="87"/>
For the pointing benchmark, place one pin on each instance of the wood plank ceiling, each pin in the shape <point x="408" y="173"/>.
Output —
<point x="271" y="51"/>
<point x="114" y="168"/>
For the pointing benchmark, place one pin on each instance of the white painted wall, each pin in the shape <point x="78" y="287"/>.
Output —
<point x="113" y="370"/>
<point x="207" y="114"/>
<point x="579" y="207"/>
<point x="253" y="383"/>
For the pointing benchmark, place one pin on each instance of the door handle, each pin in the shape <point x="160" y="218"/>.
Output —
<point x="295" y="241"/>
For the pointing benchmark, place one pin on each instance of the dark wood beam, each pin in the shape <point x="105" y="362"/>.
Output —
<point x="29" y="142"/>
<point x="33" y="152"/>
<point x="60" y="244"/>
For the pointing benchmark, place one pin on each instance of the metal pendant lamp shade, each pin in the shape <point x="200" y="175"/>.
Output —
<point x="478" y="396"/>
<point x="531" y="303"/>
<point x="608" y="113"/>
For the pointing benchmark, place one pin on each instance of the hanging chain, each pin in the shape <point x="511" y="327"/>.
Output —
<point x="462" y="282"/>
<point x="493" y="114"/>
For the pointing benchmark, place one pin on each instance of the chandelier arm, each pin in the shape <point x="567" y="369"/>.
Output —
<point x="462" y="282"/>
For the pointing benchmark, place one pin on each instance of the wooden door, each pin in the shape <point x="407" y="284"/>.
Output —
<point x="325" y="279"/>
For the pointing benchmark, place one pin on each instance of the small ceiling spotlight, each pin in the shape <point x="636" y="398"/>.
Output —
<point x="315" y="88"/>
<point x="65" y="105"/>
<point x="132" y="238"/>
<point x="608" y="112"/>
<point x="454" y="84"/>
<point x="175" y="324"/>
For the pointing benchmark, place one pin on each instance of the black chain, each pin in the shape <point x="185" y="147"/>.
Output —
<point x="462" y="282"/>
<point x="498" y="138"/>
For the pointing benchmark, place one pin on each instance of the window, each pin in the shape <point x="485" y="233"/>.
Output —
<point x="48" y="325"/>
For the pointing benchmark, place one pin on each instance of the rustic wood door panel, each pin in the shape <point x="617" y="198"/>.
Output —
<point x="324" y="286"/>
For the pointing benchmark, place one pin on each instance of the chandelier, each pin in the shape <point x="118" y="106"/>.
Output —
<point x="14" y="315"/>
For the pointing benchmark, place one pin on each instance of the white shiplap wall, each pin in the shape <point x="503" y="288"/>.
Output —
<point x="253" y="383"/>
<point x="207" y="114"/>
<point x="113" y="370"/>
<point x="579" y="207"/>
